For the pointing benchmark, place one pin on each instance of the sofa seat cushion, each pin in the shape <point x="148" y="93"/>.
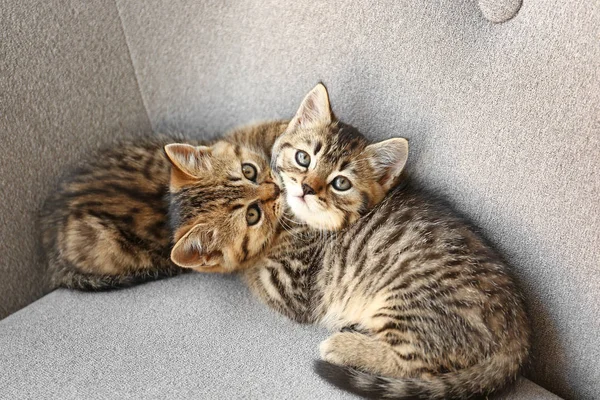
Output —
<point x="192" y="336"/>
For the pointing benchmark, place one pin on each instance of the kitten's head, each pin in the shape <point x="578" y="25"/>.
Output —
<point x="330" y="172"/>
<point x="224" y="205"/>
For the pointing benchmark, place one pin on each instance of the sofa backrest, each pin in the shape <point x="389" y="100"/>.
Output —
<point x="67" y="86"/>
<point x="504" y="119"/>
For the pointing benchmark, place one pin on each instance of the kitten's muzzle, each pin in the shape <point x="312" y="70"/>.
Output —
<point x="306" y="189"/>
<point x="312" y="185"/>
<point x="269" y="191"/>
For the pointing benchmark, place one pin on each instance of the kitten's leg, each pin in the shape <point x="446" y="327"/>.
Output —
<point x="354" y="328"/>
<point x="370" y="354"/>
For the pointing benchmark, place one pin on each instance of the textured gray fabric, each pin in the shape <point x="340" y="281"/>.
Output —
<point x="503" y="120"/>
<point x="66" y="86"/>
<point x="499" y="10"/>
<point x="190" y="337"/>
<point x="526" y="390"/>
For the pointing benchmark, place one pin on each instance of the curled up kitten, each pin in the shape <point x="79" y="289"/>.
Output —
<point x="419" y="305"/>
<point x="107" y="225"/>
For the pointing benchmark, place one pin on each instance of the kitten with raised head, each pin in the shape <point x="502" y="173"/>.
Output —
<point x="107" y="226"/>
<point x="420" y="305"/>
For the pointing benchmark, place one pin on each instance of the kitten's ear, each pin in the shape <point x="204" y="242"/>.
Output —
<point x="314" y="110"/>
<point x="196" y="249"/>
<point x="188" y="160"/>
<point x="388" y="158"/>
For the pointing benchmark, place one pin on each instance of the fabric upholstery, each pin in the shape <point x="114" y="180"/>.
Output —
<point x="499" y="10"/>
<point x="66" y="87"/>
<point x="191" y="337"/>
<point x="503" y="119"/>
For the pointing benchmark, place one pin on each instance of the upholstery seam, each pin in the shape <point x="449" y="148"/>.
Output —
<point x="135" y="72"/>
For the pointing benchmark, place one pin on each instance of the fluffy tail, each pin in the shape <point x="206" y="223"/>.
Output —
<point x="491" y="375"/>
<point x="73" y="279"/>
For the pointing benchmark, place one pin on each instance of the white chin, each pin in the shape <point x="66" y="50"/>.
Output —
<point x="298" y="206"/>
<point x="303" y="211"/>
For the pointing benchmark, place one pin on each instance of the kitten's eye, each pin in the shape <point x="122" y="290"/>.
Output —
<point x="341" y="183"/>
<point x="302" y="158"/>
<point x="249" y="171"/>
<point x="253" y="215"/>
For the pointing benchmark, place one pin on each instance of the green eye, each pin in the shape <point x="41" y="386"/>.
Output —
<point x="253" y="215"/>
<point x="249" y="171"/>
<point x="341" y="183"/>
<point x="302" y="158"/>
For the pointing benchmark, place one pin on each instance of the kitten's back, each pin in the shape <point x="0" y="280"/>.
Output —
<point x="424" y="284"/>
<point x="106" y="225"/>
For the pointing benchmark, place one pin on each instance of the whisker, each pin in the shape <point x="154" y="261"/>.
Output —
<point x="291" y="231"/>
<point x="293" y="220"/>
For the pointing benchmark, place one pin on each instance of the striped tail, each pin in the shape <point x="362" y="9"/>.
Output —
<point x="492" y="374"/>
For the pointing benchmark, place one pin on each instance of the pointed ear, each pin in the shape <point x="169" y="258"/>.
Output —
<point x="388" y="158"/>
<point x="196" y="249"/>
<point x="187" y="159"/>
<point x="314" y="110"/>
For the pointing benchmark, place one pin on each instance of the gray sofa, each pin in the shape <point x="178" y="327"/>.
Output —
<point x="503" y="119"/>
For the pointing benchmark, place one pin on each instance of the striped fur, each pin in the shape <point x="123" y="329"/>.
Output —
<point x="210" y="199"/>
<point x="335" y="150"/>
<point x="107" y="225"/>
<point x="420" y="305"/>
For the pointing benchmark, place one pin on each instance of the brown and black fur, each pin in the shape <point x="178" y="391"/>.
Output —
<point x="107" y="225"/>
<point x="211" y="197"/>
<point x="420" y="305"/>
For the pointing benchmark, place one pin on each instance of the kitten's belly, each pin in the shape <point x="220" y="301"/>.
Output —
<point x="357" y="308"/>
<point x="351" y="302"/>
<point x="356" y="281"/>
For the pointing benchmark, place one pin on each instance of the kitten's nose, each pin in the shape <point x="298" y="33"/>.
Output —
<point x="276" y="190"/>
<point x="306" y="189"/>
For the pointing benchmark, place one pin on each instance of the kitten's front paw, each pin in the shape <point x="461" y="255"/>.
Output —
<point x="335" y="348"/>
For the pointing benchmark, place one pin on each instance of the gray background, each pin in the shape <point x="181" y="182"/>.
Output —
<point x="67" y="86"/>
<point x="190" y="337"/>
<point x="503" y="119"/>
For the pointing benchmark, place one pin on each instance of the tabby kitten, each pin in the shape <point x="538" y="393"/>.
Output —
<point x="421" y="307"/>
<point x="107" y="225"/>
<point x="225" y="203"/>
